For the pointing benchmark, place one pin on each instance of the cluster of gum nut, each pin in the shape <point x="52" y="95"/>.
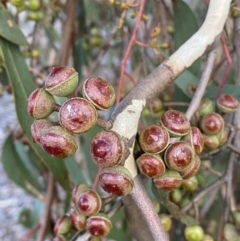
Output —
<point x="171" y="149"/>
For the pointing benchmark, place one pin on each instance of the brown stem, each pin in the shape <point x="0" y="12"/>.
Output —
<point x="106" y="125"/>
<point x="46" y="214"/>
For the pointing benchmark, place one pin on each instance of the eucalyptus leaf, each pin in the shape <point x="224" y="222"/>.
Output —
<point x="23" y="85"/>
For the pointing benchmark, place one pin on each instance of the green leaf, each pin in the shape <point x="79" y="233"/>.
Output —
<point x="234" y="90"/>
<point x="185" y="25"/>
<point x="16" y="169"/>
<point x="9" y="30"/>
<point x="23" y="85"/>
<point x="185" y="80"/>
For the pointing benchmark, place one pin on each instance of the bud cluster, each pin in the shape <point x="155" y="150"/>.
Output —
<point x="76" y="115"/>
<point x="85" y="215"/>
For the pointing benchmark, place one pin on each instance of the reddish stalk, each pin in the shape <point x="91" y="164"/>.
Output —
<point x="128" y="51"/>
<point x="229" y="62"/>
<point x="95" y="183"/>
<point x="130" y="78"/>
<point x="30" y="233"/>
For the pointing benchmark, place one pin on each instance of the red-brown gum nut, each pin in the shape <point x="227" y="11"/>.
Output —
<point x="106" y="149"/>
<point x="77" y="190"/>
<point x="227" y="103"/>
<point x="58" y="143"/>
<point x="179" y="156"/>
<point x="89" y="203"/>
<point x="99" y="225"/>
<point x="63" y="225"/>
<point x="154" y="139"/>
<point x="195" y="138"/>
<point x="77" y="219"/>
<point x="40" y="104"/>
<point x="193" y="169"/>
<point x="212" y="123"/>
<point x="38" y="128"/>
<point x="175" y="122"/>
<point x="151" y="165"/>
<point x="168" y="181"/>
<point x="116" y="180"/>
<point x="77" y="115"/>
<point x="62" y="81"/>
<point x="99" y="92"/>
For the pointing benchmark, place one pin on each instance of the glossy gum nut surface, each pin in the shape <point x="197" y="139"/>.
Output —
<point x="179" y="156"/>
<point x="62" y="225"/>
<point x="77" y="190"/>
<point x="61" y="81"/>
<point x="212" y="123"/>
<point x="168" y="181"/>
<point x="89" y="203"/>
<point x="193" y="169"/>
<point x="77" y="115"/>
<point x="106" y="149"/>
<point x="151" y="165"/>
<point x="58" y="143"/>
<point x="40" y="104"/>
<point x="98" y="225"/>
<point x="154" y="139"/>
<point x="99" y="92"/>
<point x="175" y="122"/>
<point x="116" y="180"/>
<point x="227" y="103"/>
<point x="77" y="219"/>
<point x="38" y="128"/>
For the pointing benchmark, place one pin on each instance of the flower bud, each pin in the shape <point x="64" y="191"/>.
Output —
<point x="38" y="128"/>
<point x="206" y="107"/>
<point x="156" y="205"/>
<point x="99" y="225"/>
<point x="60" y="238"/>
<point x="77" y="190"/>
<point x="89" y="203"/>
<point x="77" y="115"/>
<point x="207" y="238"/>
<point x="40" y="104"/>
<point x="192" y="169"/>
<point x="175" y="196"/>
<point x="151" y="165"/>
<point x="168" y="181"/>
<point x="58" y="142"/>
<point x="166" y="222"/>
<point x="77" y="219"/>
<point x="99" y="92"/>
<point x="190" y="184"/>
<point x="62" y="81"/>
<point x="63" y="225"/>
<point x="194" y="233"/>
<point x="116" y="180"/>
<point x="175" y="122"/>
<point x="106" y="149"/>
<point x="227" y="103"/>
<point x="211" y="142"/>
<point x="154" y="139"/>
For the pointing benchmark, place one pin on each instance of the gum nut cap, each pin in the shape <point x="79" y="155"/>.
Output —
<point x="106" y="149"/>
<point x="168" y="181"/>
<point x="99" y="92"/>
<point x="77" y="190"/>
<point x="212" y="123"/>
<point x="154" y="139"/>
<point x="89" y="203"/>
<point x="77" y="115"/>
<point x="63" y="225"/>
<point x="227" y="103"/>
<point x="116" y="180"/>
<point x="58" y="143"/>
<point x="179" y="156"/>
<point x="194" y="233"/>
<point x="38" y="128"/>
<point x="77" y="219"/>
<point x="175" y="122"/>
<point x="62" y="81"/>
<point x="40" y="104"/>
<point x="99" y="225"/>
<point x="151" y="165"/>
<point x="193" y="169"/>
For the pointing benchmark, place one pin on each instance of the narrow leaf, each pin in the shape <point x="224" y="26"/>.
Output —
<point x="23" y="85"/>
<point x="16" y="169"/>
<point x="185" y="24"/>
<point x="9" y="30"/>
